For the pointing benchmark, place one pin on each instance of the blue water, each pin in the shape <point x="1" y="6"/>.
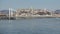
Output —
<point x="30" y="26"/>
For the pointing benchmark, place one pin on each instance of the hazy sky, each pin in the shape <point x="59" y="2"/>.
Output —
<point x="49" y="4"/>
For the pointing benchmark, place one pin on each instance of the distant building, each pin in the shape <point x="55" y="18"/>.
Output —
<point x="57" y="12"/>
<point x="4" y="12"/>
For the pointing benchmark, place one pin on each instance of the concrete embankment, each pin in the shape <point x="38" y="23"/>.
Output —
<point x="33" y="16"/>
<point x="41" y="16"/>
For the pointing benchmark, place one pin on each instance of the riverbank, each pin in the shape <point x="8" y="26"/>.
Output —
<point x="7" y="18"/>
<point x="29" y="17"/>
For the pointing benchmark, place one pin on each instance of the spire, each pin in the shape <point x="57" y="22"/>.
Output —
<point x="45" y="9"/>
<point x="31" y="7"/>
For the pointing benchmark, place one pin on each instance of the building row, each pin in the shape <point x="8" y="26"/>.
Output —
<point x="26" y="12"/>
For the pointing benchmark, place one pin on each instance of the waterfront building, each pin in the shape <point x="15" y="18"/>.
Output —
<point x="33" y="12"/>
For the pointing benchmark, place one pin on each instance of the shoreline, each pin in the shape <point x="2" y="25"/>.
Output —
<point x="28" y="17"/>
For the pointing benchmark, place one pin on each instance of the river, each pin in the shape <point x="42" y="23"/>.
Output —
<point x="30" y="26"/>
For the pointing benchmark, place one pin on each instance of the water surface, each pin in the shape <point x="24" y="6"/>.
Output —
<point x="30" y="26"/>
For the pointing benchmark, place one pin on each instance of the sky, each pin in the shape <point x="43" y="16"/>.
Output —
<point x="37" y="4"/>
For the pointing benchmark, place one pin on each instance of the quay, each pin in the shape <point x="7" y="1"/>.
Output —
<point x="42" y="16"/>
<point x="27" y="17"/>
